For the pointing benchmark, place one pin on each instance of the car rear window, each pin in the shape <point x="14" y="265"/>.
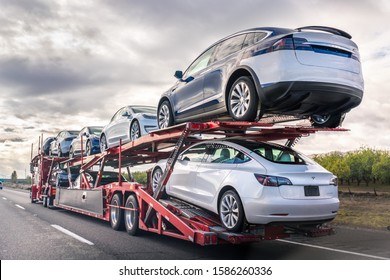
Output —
<point x="274" y="153"/>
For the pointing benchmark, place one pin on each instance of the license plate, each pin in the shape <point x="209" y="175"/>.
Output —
<point x="312" y="191"/>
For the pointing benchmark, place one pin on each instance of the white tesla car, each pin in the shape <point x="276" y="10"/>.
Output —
<point x="252" y="182"/>
<point x="128" y="124"/>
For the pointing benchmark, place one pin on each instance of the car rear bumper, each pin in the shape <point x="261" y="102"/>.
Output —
<point x="290" y="211"/>
<point x="307" y="98"/>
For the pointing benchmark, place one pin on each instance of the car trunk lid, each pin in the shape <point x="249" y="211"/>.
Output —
<point x="326" y="50"/>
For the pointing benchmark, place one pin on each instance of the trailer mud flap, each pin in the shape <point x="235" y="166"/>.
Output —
<point x="87" y="200"/>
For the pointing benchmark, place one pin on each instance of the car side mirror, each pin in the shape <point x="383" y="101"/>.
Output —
<point x="85" y="134"/>
<point x="179" y="74"/>
<point x="125" y="114"/>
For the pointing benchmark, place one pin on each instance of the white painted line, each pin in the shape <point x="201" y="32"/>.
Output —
<point x="4" y="198"/>
<point x="21" y="207"/>
<point x="75" y="236"/>
<point x="334" y="250"/>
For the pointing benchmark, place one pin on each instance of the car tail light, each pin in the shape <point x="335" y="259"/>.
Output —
<point x="272" y="181"/>
<point x="290" y="43"/>
<point x="285" y="43"/>
<point x="334" y="181"/>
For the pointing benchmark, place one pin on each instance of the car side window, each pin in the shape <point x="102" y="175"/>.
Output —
<point x="225" y="154"/>
<point x="117" y="115"/>
<point x="194" y="154"/>
<point x="229" y="47"/>
<point x="279" y="155"/>
<point x="200" y="63"/>
<point x="254" y="38"/>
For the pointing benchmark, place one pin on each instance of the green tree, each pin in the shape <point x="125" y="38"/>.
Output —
<point x="381" y="168"/>
<point x="28" y="179"/>
<point x="14" y="177"/>
<point x="336" y="163"/>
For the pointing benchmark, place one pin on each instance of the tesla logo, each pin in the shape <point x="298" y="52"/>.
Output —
<point x="313" y="178"/>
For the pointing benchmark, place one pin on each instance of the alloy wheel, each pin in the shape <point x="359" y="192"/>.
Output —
<point x="164" y="116"/>
<point x="240" y="99"/>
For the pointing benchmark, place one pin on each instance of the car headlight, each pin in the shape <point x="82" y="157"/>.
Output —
<point x="334" y="181"/>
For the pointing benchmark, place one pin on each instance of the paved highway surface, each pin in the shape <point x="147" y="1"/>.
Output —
<point x="32" y="232"/>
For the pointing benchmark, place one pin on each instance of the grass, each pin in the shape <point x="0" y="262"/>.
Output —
<point x="362" y="209"/>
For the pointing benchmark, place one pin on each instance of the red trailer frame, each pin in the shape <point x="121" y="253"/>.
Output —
<point x="129" y="203"/>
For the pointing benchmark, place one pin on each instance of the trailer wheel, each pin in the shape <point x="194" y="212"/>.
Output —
<point x="231" y="211"/>
<point x="132" y="216"/>
<point x="116" y="214"/>
<point x="49" y="201"/>
<point x="44" y="201"/>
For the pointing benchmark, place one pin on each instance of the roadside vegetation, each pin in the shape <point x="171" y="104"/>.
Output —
<point x="365" y="166"/>
<point x="364" y="186"/>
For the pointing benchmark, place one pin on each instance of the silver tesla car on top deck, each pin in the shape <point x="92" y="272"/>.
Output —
<point x="128" y="123"/>
<point x="252" y="182"/>
<point x="311" y="72"/>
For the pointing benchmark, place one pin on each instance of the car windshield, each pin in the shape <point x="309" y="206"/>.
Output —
<point x="274" y="153"/>
<point x="147" y="110"/>
<point x="73" y="132"/>
<point x="96" y="130"/>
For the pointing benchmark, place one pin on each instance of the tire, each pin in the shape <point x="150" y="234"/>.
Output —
<point x="156" y="177"/>
<point x="103" y="143"/>
<point x="231" y="211"/>
<point x="71" y="153"/>
<point x="329" y="121"/>
<point x="243" y="100"/>
<point x="116" y="214"/>
<point x="44" y="201"/>
<point x="49" y="202"/>
<point x="88" y="148"/>
<point x="135" y="130"/>
<point x="165" y="115"/>
<point x="131" y="218"/>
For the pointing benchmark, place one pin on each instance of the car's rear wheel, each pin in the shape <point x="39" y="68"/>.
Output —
<point x="135" y="130"/>
<point x="231" y="211"/>
<point x="165" y="115"/>
<point x="330" y="121"/>
<point x="103" y="143"/>
<point x="243" y="100"/>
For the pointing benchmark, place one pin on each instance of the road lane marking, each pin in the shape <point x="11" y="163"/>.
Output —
<point x="21" y="207"/>
<point x="4" y="198"/>
<point x="74" y="235"/>
<point x="334" y="250"/>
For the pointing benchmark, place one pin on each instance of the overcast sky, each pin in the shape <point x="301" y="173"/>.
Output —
<point x="70" y="64"/>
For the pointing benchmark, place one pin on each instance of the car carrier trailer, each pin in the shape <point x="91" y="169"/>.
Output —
<point x="135" y="207"/>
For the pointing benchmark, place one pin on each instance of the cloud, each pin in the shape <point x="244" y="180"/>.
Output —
<point x="68" y="64"/>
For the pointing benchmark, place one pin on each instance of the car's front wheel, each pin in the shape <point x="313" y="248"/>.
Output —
<point x="231" y="211"/>
<point x="243" y="100"/>
<point x="135" y="130"/>
<point x="88" y="148"/>
<point x="103" y="143"/>
<point x="330" y="121"/>
<point x="165" y="115"/>
<point x="156" y="177"/>
<point x="71" y="153"/>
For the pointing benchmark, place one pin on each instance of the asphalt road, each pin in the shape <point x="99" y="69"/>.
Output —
<point x="32" y="232"/>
